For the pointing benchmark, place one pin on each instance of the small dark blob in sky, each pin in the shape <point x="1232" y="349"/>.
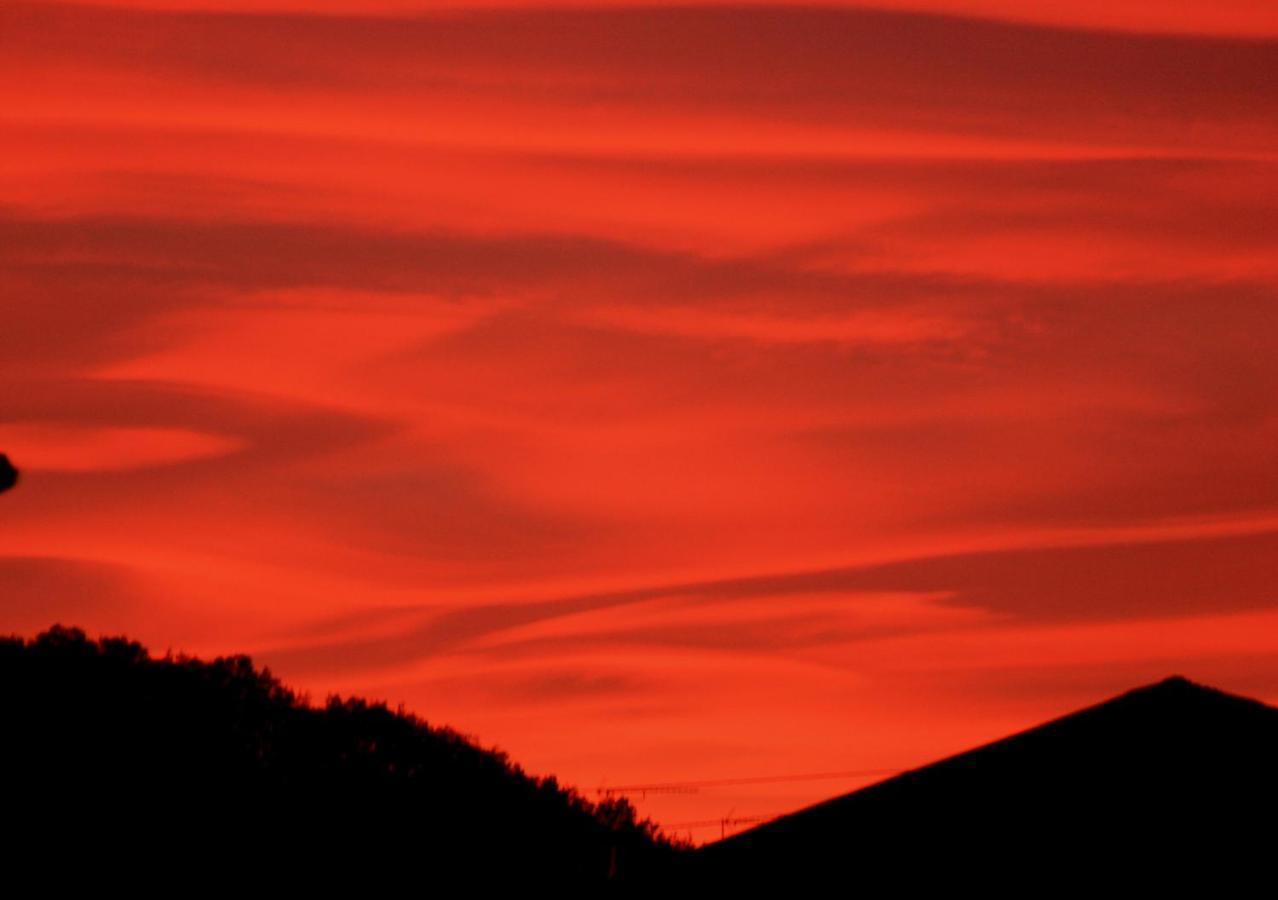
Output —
<point x="8" y="474"/>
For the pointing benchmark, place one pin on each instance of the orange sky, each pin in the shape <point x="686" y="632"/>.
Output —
<point x="660" y="393"/>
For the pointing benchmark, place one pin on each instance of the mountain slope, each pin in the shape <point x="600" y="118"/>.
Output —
<point x="1161" y="780"/>
<point x="215" y="768"/>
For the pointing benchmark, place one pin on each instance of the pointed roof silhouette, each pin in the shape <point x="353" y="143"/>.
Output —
<point x="1173" y="764"/>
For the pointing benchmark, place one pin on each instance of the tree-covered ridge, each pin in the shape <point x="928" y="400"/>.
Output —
<point x="226" y="749"/>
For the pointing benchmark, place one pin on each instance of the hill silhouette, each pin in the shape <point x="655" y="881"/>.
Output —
<point x="1167" y="783"/>
<point x="215" y="773"/>
<point x="173" y="765"/>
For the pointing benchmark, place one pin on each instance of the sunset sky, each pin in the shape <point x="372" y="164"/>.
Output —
<point x="658" y="393"/>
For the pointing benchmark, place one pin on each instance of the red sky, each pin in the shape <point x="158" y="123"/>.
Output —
<point x="658" y="393"/>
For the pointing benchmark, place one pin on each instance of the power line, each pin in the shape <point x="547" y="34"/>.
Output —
<point x="693" y="787"/>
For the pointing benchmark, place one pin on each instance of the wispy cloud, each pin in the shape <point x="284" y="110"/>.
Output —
<point x="651" y="389"/>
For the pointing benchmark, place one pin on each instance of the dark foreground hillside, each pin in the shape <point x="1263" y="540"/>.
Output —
<point x="119" y="769"/>
<point x="213" y="771"/>
<point x="1165" y="787"/>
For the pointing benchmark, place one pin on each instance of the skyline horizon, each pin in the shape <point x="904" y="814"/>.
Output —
<point x="657" y="391"/>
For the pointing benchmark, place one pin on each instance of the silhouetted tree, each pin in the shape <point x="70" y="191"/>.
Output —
<point x="220" y="766"/>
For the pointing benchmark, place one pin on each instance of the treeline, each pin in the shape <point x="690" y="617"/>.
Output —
<point x="217" y="767"/>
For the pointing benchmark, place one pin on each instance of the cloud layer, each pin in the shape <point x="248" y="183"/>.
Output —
<point x="659" y="392"/>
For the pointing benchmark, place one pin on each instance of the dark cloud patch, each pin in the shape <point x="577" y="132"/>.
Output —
<point x="1201" y="354"/>
<point x="1039" y="586"/>
<point x="1122" y="581"/>
<point x="1084" y="467"/>
<point x="39" y="591"/>
<point x="783" y="633"/>
<point x="77" y="266"/>
<point x="90" y="255"/>
<point x="60" y="314"/>
<point x="260" y="255"/>
<point x="1079" y="583"/>
<point x="429" y="636"/>
<point x="273" y="429"/>
<point x="301" y="462"/>
<point x="271" y="435"/>
<point x="554" y="685"/>
<point x="442" y="509"/>
<point x="849" y="65"/>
